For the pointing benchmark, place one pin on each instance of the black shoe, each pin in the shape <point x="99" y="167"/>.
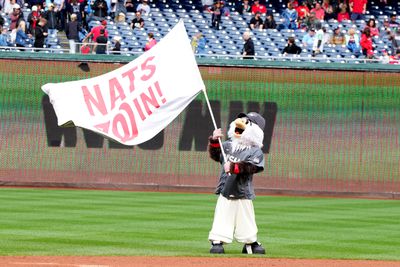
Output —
<point x="217" y="249"/>
<point x="253" y="248"/>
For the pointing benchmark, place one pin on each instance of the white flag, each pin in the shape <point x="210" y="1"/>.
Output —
<point x="135" y="102"/>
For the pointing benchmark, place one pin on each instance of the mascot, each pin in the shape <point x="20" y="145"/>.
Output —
<point x="234" y="216"/>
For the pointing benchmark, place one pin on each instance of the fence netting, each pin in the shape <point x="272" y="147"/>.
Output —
<point x="327" y="131"/>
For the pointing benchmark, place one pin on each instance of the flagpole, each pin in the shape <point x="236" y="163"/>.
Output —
<point x="215" y="125"/>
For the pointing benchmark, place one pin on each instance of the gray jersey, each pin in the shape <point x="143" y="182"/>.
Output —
<point x="239" y="186"/>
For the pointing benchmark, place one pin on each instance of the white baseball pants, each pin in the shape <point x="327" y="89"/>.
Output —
<point x="234" y="219"/>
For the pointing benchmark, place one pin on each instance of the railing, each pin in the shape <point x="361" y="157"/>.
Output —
<point x="280" y="57"/>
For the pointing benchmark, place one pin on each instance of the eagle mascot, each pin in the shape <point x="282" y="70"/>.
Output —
<point x="234" y="216"/>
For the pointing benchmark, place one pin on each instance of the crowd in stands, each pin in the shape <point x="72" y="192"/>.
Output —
<point x="317" y="29"/>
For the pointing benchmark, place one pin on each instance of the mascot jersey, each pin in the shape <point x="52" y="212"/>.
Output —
<point x="240" y="186"/>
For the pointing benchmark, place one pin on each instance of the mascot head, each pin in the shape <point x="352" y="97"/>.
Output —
<point x="247" y="129"/>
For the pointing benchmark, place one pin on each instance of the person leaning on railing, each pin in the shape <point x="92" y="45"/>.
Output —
<point x="100" y="46"/>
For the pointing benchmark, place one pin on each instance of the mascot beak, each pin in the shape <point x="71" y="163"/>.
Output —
<point x="240" y="124"/>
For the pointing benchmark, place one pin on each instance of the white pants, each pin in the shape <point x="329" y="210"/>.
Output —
<point x="234" y="219"/>
<point x="72" y="46"/>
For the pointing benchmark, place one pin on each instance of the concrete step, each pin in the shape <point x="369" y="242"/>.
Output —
<point x="63" y="40"/>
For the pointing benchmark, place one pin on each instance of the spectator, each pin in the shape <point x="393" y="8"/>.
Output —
<point x="138" y="21"/>
<point x="395" y="39"/>
<point x="393" y="24"/>
<point x="341" y="3"/>
<point x="352" y="42"/>
<point x="100" y="9"/>
<point x="256" y="22"/>
<point x="199" y="44"/>
<point x="85" y="49"/>
<point x="33" y="19"/>
<point x="129" y="6"/>
<point x="216" y="16"/>
<point x="269" y="22"/>
<point x="225" y="10"/>
<point x="51" y="16"/>
<point x="21" y="38"/>
<point x="258" y="7"/>
<point x="291" y="47"/>
<point x="386" y="26"/>
<point x="71" y="32"/>
<point x="3" y="36"/>
<point x="311" y="21"/>
<point x="8" y="6"/>
<point x="366" y="43"/>
<point x="100" y="47"/>
<point x="143" y="8"/>
<point x="308" y="38"/>
<point x="248" y="51"/>
<point x="319" y="11"/>
<point x="343" y="14"/>
<point x="117" y="45"/>
<point x="302" y="10"/>
<point x="60" y="9"/>
<point x="289" y="16"/>
<point x="95" y="32"/>
<point x="243" y="7"/>
<point x="120" y="18"/>
<point x="328" y="9"/>
<point x="337" y="37"/>
<point x="385" y="58"/>
<point x="16" y="16"/>
<point x="319" y="42"/>
<point x="357" y="9"/>
<point x="40" y="34"/>
<point x="371" y="24"/>
<point x="151" y="42"/>
<point x="74" y="7"/>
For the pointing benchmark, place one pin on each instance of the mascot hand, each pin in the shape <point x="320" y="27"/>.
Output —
<point x="217" y="134"/>
<point x="227" y="166"/>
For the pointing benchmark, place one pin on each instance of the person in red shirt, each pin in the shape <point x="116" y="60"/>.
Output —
<point x="343" y="14"/>
<point x="319" y="11"/>
<point x="257" y="7"/>
<point x="85" y="49"/>
<point x="302" y="10"/>
<point x="95" y="32"/>
<point x="357" y="9"/>
<point x="366" y="44"/>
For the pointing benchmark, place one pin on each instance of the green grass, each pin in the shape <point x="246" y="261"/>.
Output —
<point x="88" y="222"/>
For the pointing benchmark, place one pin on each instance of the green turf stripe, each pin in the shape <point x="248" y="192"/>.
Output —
<point x="81" y="222"/>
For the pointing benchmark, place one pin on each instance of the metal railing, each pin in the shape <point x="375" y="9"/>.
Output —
<point x="287" y="58"/>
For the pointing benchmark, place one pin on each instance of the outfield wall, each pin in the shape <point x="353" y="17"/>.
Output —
<point x="329" y="131"/>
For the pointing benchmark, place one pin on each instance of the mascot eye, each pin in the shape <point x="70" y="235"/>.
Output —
<point x="245" y="120"/>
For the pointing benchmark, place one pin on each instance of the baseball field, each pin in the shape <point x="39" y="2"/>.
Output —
<point x="55" y="222"/>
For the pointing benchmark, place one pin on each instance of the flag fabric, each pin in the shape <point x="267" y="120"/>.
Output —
<point x="135" y="102"/>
